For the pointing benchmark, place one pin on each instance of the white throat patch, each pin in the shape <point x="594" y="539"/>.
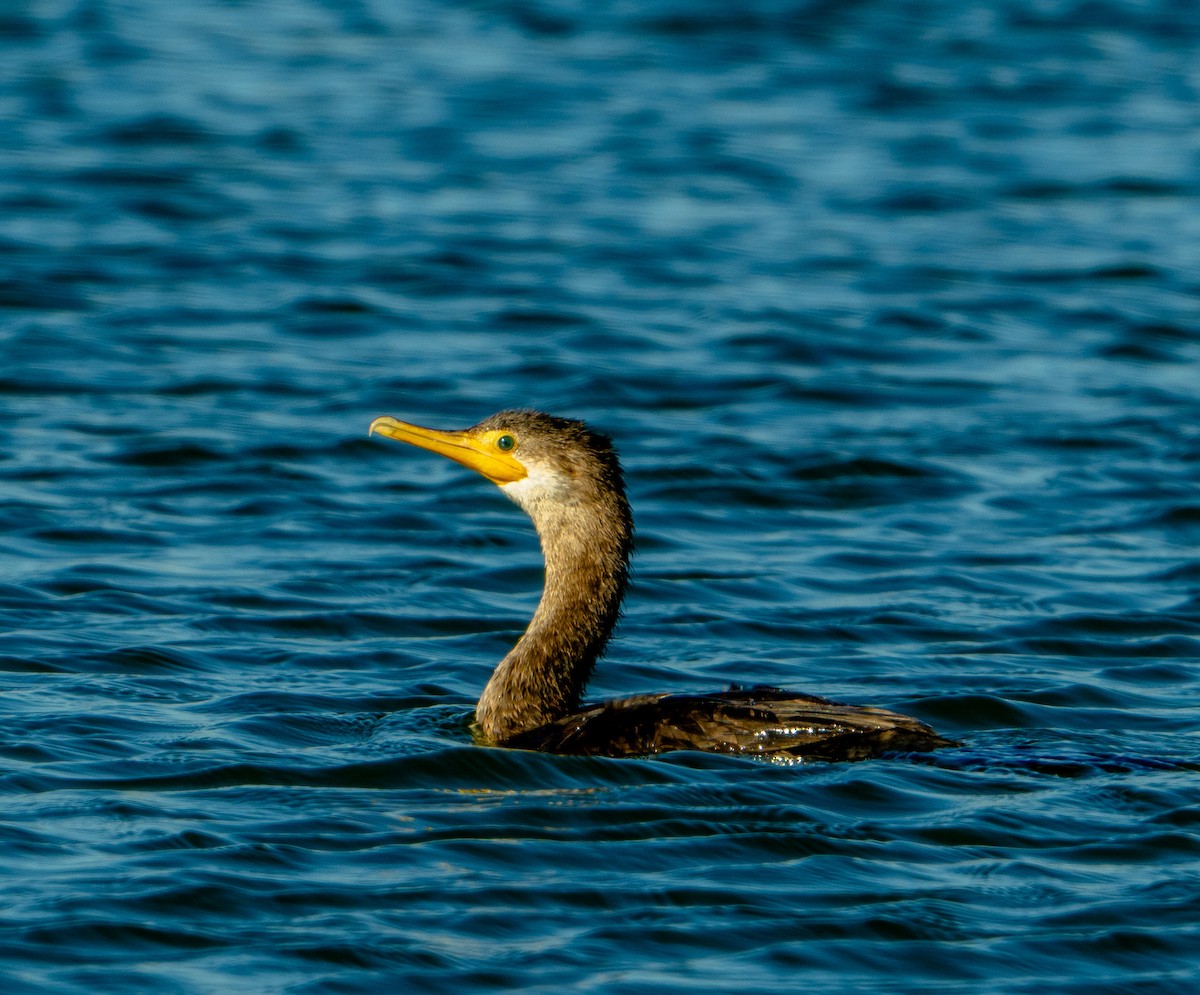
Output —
<point x="541" y="484"/>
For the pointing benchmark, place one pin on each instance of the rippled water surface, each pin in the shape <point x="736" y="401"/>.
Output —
<point x="892" y="311"/>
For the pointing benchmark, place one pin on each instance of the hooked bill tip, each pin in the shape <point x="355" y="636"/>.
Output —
<point x="374" y="427"/>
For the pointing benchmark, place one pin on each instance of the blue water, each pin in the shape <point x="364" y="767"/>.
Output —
<point x="892" y="311"/>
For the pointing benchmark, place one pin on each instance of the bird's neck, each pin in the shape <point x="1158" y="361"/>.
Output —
<point x="586" y="546"/>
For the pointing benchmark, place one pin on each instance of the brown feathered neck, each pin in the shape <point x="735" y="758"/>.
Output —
<point x="575" y="495"/>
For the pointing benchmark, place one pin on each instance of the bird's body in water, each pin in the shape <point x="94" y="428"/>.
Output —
<point x="568" y="480"/>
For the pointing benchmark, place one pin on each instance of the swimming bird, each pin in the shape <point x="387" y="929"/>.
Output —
<point x="568" y="479"/>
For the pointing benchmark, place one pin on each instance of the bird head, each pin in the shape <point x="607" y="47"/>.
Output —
<point x="529" y="455"/>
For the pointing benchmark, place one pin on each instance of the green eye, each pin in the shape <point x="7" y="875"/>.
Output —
<point x="506" y="443"/>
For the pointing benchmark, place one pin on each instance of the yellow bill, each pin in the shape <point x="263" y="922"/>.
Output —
<point x="487" y="453"/>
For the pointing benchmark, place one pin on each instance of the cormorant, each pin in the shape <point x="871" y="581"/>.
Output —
<point x="568" y="479"/>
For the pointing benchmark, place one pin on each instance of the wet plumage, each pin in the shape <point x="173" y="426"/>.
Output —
<point x="569" y="481"/>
